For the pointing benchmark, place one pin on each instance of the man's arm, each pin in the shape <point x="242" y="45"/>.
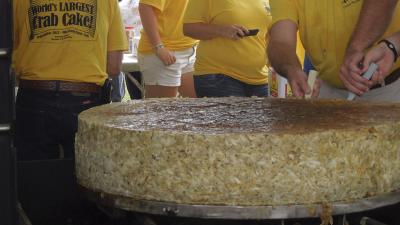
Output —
<point x="283" y="58"/>
<point x="114" y="63"/>
<point x="375" y="17"/>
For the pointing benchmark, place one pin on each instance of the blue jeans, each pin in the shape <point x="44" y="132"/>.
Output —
<point x="220" y="85"/>
<point x="46" y="121"/>
<point x="118" y="88"/>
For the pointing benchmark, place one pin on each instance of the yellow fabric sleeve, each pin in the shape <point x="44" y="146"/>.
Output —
<point x="158" y="4"/>
<point x="116" y="35"/>
<point x="197" y="12"/>
<point x="283" y="10"/>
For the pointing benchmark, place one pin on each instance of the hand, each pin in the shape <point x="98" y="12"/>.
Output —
<point x="299" y="85"/>
<point x="383" y="57"/>
<point x="233" y="32"/>
<point x="166" y="56"/>
<point x="316" y="88"/>
<point x="351" y="71"/>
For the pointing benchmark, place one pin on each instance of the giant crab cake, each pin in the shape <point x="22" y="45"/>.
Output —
<point x="240" y="151"/>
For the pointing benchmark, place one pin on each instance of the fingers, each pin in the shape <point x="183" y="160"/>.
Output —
<point x="381" y="56"/>
<point x="241" y="31"/>
<point x="355" y="64"/>
<point x="304" y="87"/>
<point x="353" y="61"/>
<point x="355" y="87"/>
<point x="235" y="32"/>
<point x="354" y="82"/>
<point x="378" y="78"/>
<point x="171" y="59"/>
<point x="316" y="88"/>
<point x="297" y="90"/>
<point x="351" y="70"/>
<point x="368" y="59"/>
<point x="167" y="60"/>
<point x="298" y="83"/>
<point x="166" y="57"/>
<point x="359" y="81"/>
<point x="300" y="89"/>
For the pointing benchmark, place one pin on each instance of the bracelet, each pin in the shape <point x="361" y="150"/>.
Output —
<point x="158" y="47"/>
<point x="392" y="48"/>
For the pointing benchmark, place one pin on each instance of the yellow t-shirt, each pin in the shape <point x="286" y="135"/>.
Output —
<point x="325" y="28"/>
<point x="245" y="59"/>
<point x="66" y="40"/>
<point x="169" y="15"/>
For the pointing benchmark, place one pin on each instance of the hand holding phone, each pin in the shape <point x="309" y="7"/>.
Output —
<point x="252" y="32"/>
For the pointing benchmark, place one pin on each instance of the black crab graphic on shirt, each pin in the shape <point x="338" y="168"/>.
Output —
<point x="58" y="20"/>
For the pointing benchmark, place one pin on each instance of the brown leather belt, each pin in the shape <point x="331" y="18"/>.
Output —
<point x="390" y="78"/>
<point x="62" y="86"/>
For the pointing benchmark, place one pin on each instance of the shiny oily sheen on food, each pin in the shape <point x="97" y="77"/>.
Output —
<point x="240" y="151"/>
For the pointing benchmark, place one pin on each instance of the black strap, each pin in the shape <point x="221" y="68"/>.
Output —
<point x="392" y="47"/>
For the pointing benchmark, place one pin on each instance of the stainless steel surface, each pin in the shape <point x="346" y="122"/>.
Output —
<point x="4" y="52"/>
<point x="5" y="127"/>
<point x="240" y="212"/>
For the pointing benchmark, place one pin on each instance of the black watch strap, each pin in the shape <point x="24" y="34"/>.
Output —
<point x="392" y="48"/>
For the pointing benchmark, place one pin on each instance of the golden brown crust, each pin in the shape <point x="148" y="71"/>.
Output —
<point x="235" y="151"/>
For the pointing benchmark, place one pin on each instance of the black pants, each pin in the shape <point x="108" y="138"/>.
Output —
<point x="46" y="122"/>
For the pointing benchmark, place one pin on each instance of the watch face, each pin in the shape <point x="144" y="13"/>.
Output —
<point x="392" y="48"/>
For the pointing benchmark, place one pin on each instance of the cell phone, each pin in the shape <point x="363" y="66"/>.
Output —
<point x="252" y="32"/>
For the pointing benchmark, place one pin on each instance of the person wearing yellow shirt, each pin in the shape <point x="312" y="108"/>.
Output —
<point x="166" y="56"/>
<point x="231" y="57"/>
<point x="325" y="29"/>
<point x="63" y="53"/>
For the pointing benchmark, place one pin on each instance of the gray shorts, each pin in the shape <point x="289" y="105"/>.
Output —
<point x="388" y="93"/>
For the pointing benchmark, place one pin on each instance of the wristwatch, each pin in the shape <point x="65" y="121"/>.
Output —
<point x="392" y="48"/>
<point x="158" y="47"/>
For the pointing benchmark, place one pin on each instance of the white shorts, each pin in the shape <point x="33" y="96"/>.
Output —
<point x="154" y="71"/>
